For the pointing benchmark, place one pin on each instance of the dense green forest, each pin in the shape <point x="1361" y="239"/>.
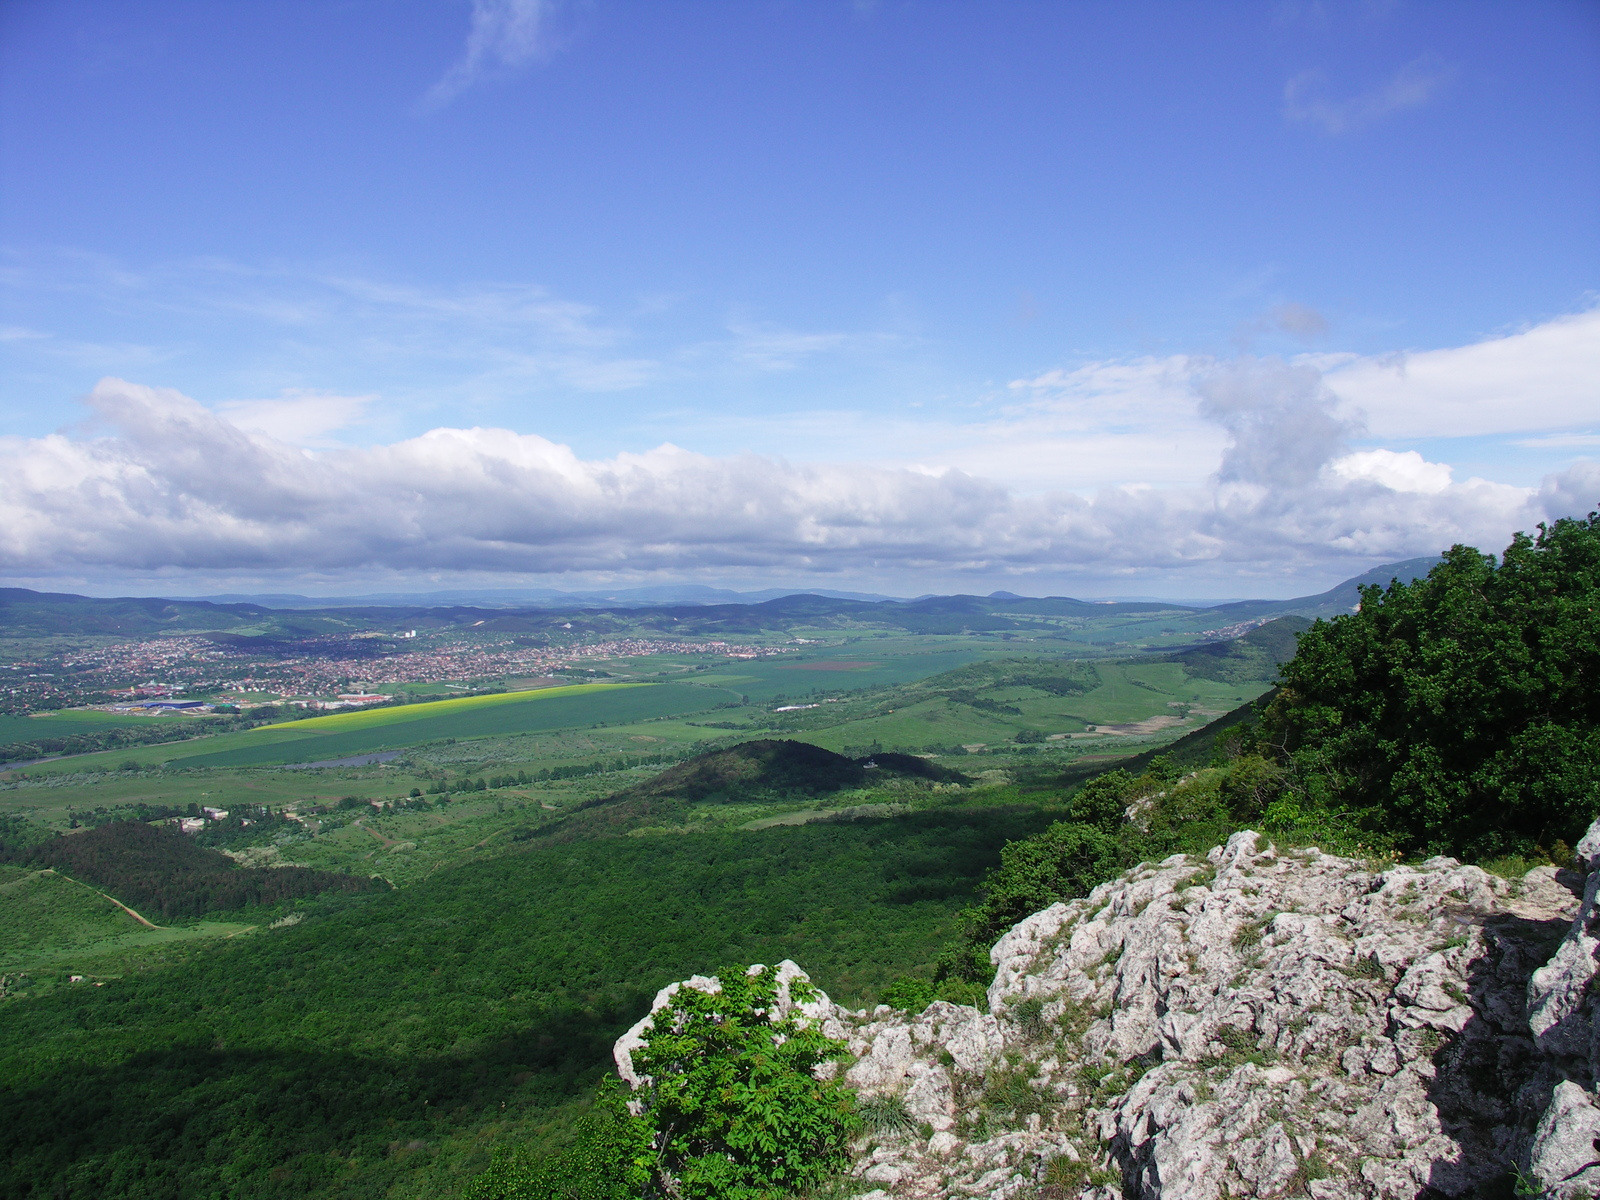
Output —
<point x="162" y="873"/>
<point x="1459" y="713"/>
<point x="378" y="1046"/>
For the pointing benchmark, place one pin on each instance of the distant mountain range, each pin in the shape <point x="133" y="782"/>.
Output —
<point x="640" y="597"/>
<point x="26" y="613"/>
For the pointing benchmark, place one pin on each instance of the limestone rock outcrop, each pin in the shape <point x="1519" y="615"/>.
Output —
<point x="1257" y="1022"/>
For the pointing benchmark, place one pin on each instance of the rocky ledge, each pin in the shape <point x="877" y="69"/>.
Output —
<point x="1257" y="1022"/>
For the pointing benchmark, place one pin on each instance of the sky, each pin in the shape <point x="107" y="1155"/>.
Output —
<point x="1163" y="299"/>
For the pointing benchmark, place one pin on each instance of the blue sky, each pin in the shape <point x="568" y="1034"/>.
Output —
<point x="1168" y="298"/>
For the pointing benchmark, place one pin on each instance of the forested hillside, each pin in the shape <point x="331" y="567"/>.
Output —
<point x="366" y="1051"/>
<point x="1398" y="728"/>
<point x="164" y="874"/>
<point x="1256" y="655"/>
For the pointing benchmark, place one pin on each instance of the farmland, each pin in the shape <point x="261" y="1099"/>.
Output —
<point x="355" y="733"/>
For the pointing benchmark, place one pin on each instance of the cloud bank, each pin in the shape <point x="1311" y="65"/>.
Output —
<point x="1544" y="377"/>
<point x="167" y="484"/>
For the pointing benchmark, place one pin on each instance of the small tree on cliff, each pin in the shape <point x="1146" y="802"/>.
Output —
<point x="731" y="1109"/>
<point x="733" y="1098"/>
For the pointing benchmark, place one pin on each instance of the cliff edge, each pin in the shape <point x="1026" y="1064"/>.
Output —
<point x="1257" y="1022"/>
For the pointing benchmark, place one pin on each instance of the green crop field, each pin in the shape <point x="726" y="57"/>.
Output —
<point x="862" y="663"/>
<point x="79" y="720"/>
<point x="342" y="735"/>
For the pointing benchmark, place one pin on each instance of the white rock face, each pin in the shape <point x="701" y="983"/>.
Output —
<point x="1257" y="1023"/>
<point x="1564" y="1158"/>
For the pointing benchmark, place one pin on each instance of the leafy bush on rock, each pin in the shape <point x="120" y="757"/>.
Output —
<point x="731" y="1109"/>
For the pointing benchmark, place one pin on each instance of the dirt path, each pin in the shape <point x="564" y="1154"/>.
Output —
<point x="387" y="841"/>
<point x="103" y="896"/>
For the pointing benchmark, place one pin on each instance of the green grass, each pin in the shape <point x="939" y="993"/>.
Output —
<point x="57" y="926"/>
<point x="862" y="663"/>
<point x="43" y="913"/>
<point x="915" y="716"/>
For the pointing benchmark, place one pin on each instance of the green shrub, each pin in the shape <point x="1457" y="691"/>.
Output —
<point x="1252" y="783"/>
<point x="1103" y="800"/>
<point x="736" y="1111"/>
<point x="730" y="1110"/>
<point x="1458" y="713"/>
<point x="908" y="994"/>
<point x="1163" y="770"/>
<point x="1066" y="860"/>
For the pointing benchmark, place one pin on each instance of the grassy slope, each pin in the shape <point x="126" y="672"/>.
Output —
<point x="870" y="662"/>
<point x="42" y="913"/>
<point x="930" y="712"/>
<point x="52" y="924"/>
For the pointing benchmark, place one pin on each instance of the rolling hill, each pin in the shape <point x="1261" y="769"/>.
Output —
<point x="34" y="614"/>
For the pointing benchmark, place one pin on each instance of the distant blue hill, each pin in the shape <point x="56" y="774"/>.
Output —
<point x="639" y="597"/>
<point x="1341" y="598"/>
<point x="703" y="613"/>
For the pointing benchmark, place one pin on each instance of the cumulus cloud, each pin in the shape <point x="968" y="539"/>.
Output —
<point x="1402" y="472"/>
<point x="1305" y="97"/>
<point x="1545" y="377"/>
<point x="1280" y="419"/>
<point x="505" y="34"/>
<point x="173" y="485"/>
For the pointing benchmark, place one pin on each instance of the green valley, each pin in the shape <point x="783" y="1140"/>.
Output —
<point x="521" y="869"/>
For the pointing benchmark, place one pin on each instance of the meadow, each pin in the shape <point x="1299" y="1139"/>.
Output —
<point x="857" y="662"/>
<point x="68" y="721"/>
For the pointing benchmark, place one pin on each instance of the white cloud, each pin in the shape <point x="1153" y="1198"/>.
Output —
<point x="767" y="347"/>
<point x="1404" y="472"/>
<point x="1305" y="97"/>
<point x="1560" y="440"/>
<point x="505" y="34"/>
<point x="1543" y="377"/>
<point x="298" y="417"/>
<point x="1299" y="319"/>
<point x="174" y="486"/>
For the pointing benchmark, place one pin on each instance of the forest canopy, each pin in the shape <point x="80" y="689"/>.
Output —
<point x="1459" y="713"/>
<point x="160" y="872"/>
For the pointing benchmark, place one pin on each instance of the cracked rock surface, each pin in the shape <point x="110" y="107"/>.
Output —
<point x="1257" y="1022"/>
